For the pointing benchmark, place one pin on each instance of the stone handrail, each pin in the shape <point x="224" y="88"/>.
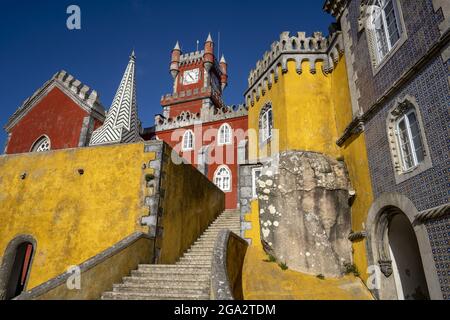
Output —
<point x="226" y="271"/>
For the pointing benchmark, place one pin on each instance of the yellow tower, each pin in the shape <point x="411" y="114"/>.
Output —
<point x="299" y="100"/>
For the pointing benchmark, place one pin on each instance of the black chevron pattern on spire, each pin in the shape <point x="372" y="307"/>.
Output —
<point x="122" y="123"/>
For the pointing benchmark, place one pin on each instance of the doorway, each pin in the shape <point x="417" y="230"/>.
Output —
<point x="20" y="270"/>
<point x="409" y="275"/>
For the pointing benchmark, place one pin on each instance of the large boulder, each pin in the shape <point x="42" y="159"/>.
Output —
<point x="305" y="213"/>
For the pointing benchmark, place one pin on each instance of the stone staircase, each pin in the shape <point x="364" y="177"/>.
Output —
<point x="188" y="279"/>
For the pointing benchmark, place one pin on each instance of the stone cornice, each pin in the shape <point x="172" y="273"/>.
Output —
<point x="354" y="128"/>
<point x="409" y="74"/>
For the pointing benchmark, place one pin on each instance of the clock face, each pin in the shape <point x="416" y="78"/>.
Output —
<point x="191" y="76"/>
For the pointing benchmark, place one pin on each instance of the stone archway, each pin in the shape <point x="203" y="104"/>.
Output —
<point x="400" y="248"/>
<point x="13" y="260"/>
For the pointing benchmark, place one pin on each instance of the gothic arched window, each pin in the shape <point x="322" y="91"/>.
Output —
<point x="265" y="123"/>
<point x="188" y="140"/>
<point x="43" y="144"/>
<point x="222" y="178"/>
<point x="407" y="140"/>
<point x="385" y="27"/>
<point x="225" y="134"/>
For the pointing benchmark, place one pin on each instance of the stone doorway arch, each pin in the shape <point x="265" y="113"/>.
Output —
<point x="399" y="247"/>
<point x="16" y="266"/>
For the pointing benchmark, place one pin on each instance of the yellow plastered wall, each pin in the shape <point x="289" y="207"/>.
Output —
<point x="255" y="232"/>
<point x="72" y="217"/>
<point x="311" y="111"/>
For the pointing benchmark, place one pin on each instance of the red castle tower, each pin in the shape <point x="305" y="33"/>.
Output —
<point x="196" y="122"/>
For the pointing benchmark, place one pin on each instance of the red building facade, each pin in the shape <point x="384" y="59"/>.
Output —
<point x="61" y="114"/>
<point x="198" y="125"/>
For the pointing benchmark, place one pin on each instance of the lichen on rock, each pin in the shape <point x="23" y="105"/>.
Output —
<point x="305" y="213"/>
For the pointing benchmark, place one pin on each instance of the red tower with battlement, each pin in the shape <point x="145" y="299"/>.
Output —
<point x="197" y="123"/>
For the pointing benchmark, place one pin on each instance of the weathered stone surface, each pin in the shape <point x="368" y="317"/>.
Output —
<point x="304" y="212"/>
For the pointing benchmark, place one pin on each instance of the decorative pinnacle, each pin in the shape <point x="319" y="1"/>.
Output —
<point x="133" y="55"/>
<point x="177" y="46"/>
<point x="222" y="60"/>
<point x="209" y="39"/>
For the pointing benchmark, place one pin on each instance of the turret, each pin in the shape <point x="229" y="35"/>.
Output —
<point x="208" y="56"/>
<point x="175" y="62"/>
<point x="224" y="76"/>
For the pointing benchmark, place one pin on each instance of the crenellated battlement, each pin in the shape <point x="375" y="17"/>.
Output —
<point x="186" y="118"/>
<point x="87" y="97"/>
<point x="192" y="57"/>
<point x="335" y="7"/>
<point x="186" y="95"/>
<point x="298" y="48"/>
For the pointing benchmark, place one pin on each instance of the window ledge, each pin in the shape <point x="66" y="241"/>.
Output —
<point x="406" y="175"/>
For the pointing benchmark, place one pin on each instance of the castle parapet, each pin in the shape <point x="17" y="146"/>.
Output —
<point x="186" y="118"/>
<point x="298" y="48"/>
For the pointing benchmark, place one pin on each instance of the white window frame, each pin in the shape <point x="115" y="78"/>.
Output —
<point x="220" y="183"/>
<point x="222" y="135"/>
<point x="266" y="123"/>
<point x="412" y="146"/>
<point x="254" y="188"/>
<point x="380" y="56"/>
<point x="188" y="141"/>
<point x="39" y="142"/>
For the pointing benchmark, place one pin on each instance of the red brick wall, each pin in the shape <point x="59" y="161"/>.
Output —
<point x="56" y="116"/>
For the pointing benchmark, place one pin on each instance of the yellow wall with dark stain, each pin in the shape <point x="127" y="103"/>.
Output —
<point x="191" y="203"/>
<point x="72" y="217"/>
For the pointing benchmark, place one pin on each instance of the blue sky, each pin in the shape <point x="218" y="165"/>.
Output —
<point x="35" y="43"/>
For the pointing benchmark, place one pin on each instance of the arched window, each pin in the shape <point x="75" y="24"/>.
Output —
<point x="407" y="140"/>
<point x="222" y="178"/>
<point x="225" y="134"/>
<point x="41" y="145"/>
<point x="188" y="140"/>
<point x="16" y="266"/>
<point x="387" y="27"/>
<point x="265" y="123"/>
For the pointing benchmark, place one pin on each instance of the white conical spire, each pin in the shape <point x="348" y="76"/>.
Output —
<point x="121" y="124"/>
<point x="222" y="60"/>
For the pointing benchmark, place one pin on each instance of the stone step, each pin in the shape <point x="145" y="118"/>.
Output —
<point x="175" y="272"/>
<point x="159" y="290"/>
<point x="198" y="254"/>
<point x="194" y="261"/>
<point x="169" y="268"/>
<point x="172" y="277"/>
<point x="152" y="296"/>
<point x="210" y="232"/>
<point x="188" y="283"/>
<point x="198" y="250"/>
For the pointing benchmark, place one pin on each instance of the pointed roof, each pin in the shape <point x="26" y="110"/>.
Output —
<point x="209" y="38"/>
<point x="222" y="60"/>
<point x="177" y="46"/>
<point x="84" y="96"/>
<point x="122" y="123"/>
